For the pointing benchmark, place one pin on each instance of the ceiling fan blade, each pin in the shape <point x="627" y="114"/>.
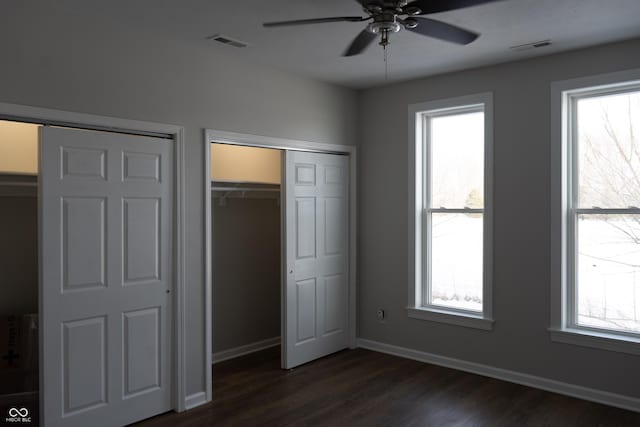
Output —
<point x="443" y="31"/>
<point x="315" y="21"/>
<point x="368" y="2"/>
<point x="434" y="6"/>
<point x="360" y="43"/>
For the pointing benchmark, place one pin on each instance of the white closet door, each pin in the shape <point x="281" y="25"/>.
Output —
<point x="106" y="251"/>
<point x="317" y="256"/>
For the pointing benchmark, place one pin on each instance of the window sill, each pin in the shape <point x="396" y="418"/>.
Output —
<point x="451" y="317"/>
<point x="599" y="340"/>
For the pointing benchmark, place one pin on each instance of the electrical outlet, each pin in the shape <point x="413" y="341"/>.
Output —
<point x="380" y="314"/>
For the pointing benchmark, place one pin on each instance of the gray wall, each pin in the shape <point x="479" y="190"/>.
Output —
<point x="246" y="271"/>
<point x="519" y="340"/>
<point x="19" y="253"/>
<point x="52" y="59"/>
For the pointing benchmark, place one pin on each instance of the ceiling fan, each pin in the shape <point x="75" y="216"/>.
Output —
<point x="391" y="16"/>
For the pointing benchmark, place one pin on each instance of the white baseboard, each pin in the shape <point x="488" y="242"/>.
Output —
<point x="195" y="399"/>
<point x="599" y="396"/>
<point x="244" y="349"/>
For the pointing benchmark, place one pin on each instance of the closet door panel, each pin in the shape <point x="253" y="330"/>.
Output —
<point x="317" y="259"/>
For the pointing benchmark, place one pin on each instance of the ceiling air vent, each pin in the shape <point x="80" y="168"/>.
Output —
<point x="227" y="40"/>
<point x="533" y="45"/>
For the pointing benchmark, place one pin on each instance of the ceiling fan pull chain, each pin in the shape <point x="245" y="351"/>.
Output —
<point x="386" y="62"/>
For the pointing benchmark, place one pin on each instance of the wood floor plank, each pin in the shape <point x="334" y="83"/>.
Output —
<point x="366" y="388"/>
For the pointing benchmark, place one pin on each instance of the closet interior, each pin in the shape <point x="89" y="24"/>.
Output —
<point x="246" y="221"/>
<point x="19" y="266"/>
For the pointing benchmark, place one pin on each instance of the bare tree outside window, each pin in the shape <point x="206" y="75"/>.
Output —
<point x="608" y="218"/>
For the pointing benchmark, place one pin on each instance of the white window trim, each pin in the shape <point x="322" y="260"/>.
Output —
<point x="562" y="327"/>
<point x="479" y="320"/>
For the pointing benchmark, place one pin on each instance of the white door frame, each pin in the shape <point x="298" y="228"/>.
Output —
<point x="22" y="113"/>
<point x="233" y="138"/>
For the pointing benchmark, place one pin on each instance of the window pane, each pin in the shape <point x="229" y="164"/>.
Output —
<point x="608" y="291"/>
<point x="609" y="151"/>
<point x="457" y="161"/>
<point x="456" y="260"/>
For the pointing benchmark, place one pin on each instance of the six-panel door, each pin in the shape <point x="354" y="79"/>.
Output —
<point x="106" y="229"/>
<point x="316" y="295"/>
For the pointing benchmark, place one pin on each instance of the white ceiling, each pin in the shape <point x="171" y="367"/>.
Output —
<point x="315" y="50"/>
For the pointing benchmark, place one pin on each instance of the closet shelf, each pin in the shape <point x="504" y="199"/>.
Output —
<point x="244" y="189"/>
<point x="243" y="186"/>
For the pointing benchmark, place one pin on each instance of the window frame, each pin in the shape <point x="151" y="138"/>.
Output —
<point x="565" y="208"/>
<point x="419" y="213"/>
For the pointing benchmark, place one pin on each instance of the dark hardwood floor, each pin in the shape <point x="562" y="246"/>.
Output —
<point x="365" y="388"/>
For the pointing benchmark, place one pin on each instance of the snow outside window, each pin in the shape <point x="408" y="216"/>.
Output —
<point x="450" y="168"/>
<point x="604" y="212"/>
<point x="595" y="211"/>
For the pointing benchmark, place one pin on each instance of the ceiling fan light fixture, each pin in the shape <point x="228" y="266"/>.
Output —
<point x="381" y="27"/>
<point x="410" y="23"/>
<point x="384" y="22"/>
<point x="412" y="10"/>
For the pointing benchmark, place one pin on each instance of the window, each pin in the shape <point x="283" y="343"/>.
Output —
<point x="450" y="165"/>
<point x="598" y="205"/>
